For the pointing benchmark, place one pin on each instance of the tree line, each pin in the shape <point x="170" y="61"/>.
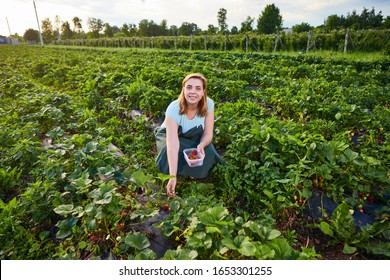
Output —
<point x="269" y="22"/>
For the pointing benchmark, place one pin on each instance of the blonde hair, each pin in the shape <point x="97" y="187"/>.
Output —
<point x="202" y="105"/>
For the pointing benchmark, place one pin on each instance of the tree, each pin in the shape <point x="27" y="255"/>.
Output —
<point x="57" y="25"/>
<point x="187" y="29"/>
<point x="234" y="30"/>
<point x="150" y="28"/>
<point x="212" y="30"/>
<point x="173" y="30"/>
<point x="95" y="26"/>
<point x="163" y="28"/>
<point x="31" y="35"/>
<point x="222" y="20"/>
<point x="48" y="34"/>
<point x="66" y="32"/>
<point x="129" y="29"/>
<point x="108" y="31"/>
<point x="352" y="20"/>
<point x="333" y="22"/>
<point x="270" y="20"/>
<point x="77" y="27"/>
<point x="374" y="20"/>
<point x="386" y="23"/>
<point x="303" y="27"/>
<point x="246" y="26"/>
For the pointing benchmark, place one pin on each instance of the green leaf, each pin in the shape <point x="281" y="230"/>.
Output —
<point x="174" y="205"/>
<point x="137" y="241"/>
<point x="180" y="254"/>
<point x="343" y="222"/>
<point x="64" y="209"/>
<point x="264" y="252"/>
<point x="229" y="243"/>
<point x="92" y="224"/>
<point x="350" y="155"/>
<point x="283" y="250"/>
<point x="268" y="193"/>
<point x="338" y="116"/>
<point x="283" y="181"/>
<point x="348" y="249"/>
<point x="273" y="234"/>
<point x="213" y="215"/>
<point x="212" y="229"/>
<point x="246" y="247"/>
<point x="380" y="248"/>
<point x="145" y="255"/>
<point x="141" y="179"/>
<point x="200" y="240"/>
<point x="65" y="227"/>
<point x="325" y="228"/>
<point x="107" y="197"/>
<point x="306" y="193"/>
<point x="82" y="245"/>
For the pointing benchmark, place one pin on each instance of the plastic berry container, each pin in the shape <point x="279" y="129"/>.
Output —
<point x="193" y="157"/>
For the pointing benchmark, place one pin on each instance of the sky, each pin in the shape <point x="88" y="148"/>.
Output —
<point x="16" y="16"/>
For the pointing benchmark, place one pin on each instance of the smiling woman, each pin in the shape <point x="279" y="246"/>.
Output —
<point x="189" y="123"/>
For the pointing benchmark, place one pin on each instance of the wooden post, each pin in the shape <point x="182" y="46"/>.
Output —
<point x="308" y="42"/>
<point x="191" y="42"/>
<point x="246" y="43"/>
<point x="224" y="43"/>
<point x="346" y="40"/>
<point x="348" y="36"/>
<point x="277" y="39"/>
<point x="205" y="43"/>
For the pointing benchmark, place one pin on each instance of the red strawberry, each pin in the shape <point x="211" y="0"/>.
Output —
<point x="371" y="199"/>
<point x="165" y="207"/>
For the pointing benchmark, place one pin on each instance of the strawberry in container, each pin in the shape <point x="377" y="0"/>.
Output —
<point x="193" y="157"/>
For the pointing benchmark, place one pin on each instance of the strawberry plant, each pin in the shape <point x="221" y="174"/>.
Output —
<point x="77" y="153"/>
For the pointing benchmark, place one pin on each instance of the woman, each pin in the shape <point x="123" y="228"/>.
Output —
<point x="189" y="123"/>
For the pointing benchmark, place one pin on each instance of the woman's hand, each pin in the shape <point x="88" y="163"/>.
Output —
<point x="171" y="187"/>
<point x="200" y="148"/>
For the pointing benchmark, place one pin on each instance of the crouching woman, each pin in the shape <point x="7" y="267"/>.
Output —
<point x="188" y="123"/>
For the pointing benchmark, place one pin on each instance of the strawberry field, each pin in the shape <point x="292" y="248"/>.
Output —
<point x="304" y="138"/>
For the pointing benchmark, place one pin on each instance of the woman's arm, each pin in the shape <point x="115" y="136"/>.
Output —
<point x="173" y="146"/>
<point x="207" y="136"/>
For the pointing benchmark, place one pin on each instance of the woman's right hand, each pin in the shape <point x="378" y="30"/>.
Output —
<point x="171" y="187"/>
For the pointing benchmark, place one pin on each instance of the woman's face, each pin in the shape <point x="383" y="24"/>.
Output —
<point x="193" y="91"/>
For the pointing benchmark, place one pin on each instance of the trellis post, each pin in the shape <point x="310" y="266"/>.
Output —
<point x="224" y="43"/>
<point x="246" y="42"/>
<point x="277" y="39"/>
<point x="308" y="42"/>
<point x="347" y="36"/>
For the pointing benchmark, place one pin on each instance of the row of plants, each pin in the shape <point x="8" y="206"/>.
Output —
<point x="363" y="41"/>
<point x="77" y="156"/>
